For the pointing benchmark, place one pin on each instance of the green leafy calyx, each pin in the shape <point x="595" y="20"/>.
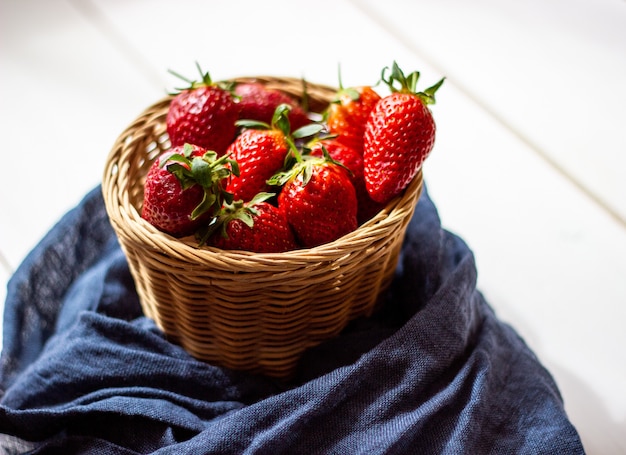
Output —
<point x="233" y="210"/>
<point x="204" y="81"/>
<point x="303" y="167"/>
<point x="397" y="81"/>
<point x="208" y="171"/>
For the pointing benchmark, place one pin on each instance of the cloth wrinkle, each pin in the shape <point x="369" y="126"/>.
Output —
<point x="432" y="371"/>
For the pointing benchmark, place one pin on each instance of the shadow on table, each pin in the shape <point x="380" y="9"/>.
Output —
<point x="600" y="434"/>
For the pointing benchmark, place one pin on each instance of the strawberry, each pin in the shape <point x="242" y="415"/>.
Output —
<point x="399" y="135"/>
<point x="342" y="153"/>
<point x="258" y="102"/>
<point x="203" y="114"/>
<point x="255" y="226"/>
<point x="183" y="189"/>
<point x="319" y="199"/>
<point x="348" y="112"/>
<point x="261" y="151"/>
<point x="353" y="161"/>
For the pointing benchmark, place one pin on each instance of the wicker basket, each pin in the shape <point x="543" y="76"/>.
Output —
<point x="247" y="311"/>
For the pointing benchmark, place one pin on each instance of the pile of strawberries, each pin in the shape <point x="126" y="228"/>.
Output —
<point x="249" y="169"/>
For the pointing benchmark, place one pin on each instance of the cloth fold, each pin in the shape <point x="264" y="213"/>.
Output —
<point x="433" y="371"/>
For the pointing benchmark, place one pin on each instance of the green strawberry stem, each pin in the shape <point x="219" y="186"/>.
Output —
<point x="233" y="210"/>
<point x="408" y="84"/>
<point x="205" y="81"/>
<point x="304" y="165"/>
<point x="304" y="104"/>
<point x="280" y="122"/>
<point x="207" y="171"/>
<point x="351" y="92"/>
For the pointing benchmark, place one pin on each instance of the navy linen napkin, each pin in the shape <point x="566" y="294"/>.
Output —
<point x="432" y="372"/>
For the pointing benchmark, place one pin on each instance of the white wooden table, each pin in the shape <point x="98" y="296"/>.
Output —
<point x="528" y="168"/>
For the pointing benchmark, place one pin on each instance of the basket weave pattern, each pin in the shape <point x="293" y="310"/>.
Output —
<point x="247" y="311"/>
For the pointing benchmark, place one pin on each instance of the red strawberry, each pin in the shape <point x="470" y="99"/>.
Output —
<point x="256" y="226"/>
<point x="261" y="151"/>
<point x="258" y="102"/>
<point x="183" y="189"/>
<point x="340" y="152"/>
<point x="319" y="200"/>
<point x="353" y="161"/>
<point x="203" y="114"/>
<point x="399" y="135"/>
<point x="347" y="114"/>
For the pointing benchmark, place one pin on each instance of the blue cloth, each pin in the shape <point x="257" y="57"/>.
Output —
<point x="433" y="372"/>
